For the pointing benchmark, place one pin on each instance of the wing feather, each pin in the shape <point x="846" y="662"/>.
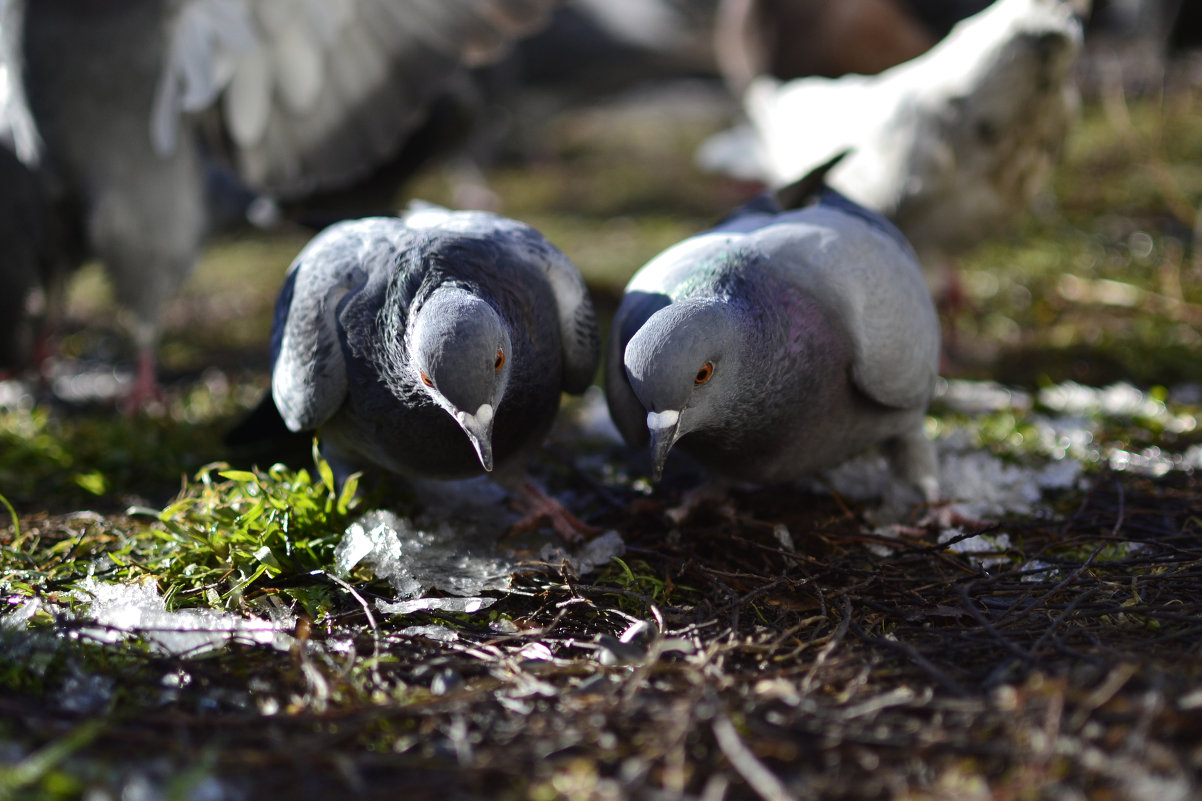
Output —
<point x="348" y="79"/>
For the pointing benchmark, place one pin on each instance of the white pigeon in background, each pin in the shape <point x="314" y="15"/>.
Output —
<point x="951" y="145"/>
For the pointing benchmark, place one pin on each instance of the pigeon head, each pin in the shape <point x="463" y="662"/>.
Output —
<point x="684" y="365"/>
<point x="459" y="350"/>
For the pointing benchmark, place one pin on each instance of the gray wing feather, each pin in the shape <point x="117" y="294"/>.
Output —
<point x="579" y="336"/>
<point x="309" y="375"/>
<point x="17" y="128"/>
<point x="872" y="283"/>
<point x="315" y="93"/>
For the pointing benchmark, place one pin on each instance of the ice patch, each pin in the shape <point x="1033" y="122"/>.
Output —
<point x="1116" y="400"/>
<point x="21" y="611"/>
<point x="593" y="554"/>
<point x="978" y="484"/>
<point x="592" y="421"/>
<point x="980" y="397"/>
<point x="416" y="560"/>
<point x="985" y="550"/>
<point x="1192" y="458"/>
<point x="115" y="612"/>
<point x="431" y="632"/>
<point x="981" y="486"/>
<point x="463" y="605"/>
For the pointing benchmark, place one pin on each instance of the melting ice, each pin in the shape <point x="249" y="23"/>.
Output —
<point x="115" y="612"/>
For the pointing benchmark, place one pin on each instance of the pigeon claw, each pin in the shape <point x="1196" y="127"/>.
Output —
<point x="146" y="387"/>
<point x="540" y="508"/>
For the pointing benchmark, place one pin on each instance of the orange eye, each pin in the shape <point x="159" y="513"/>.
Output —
<point x="704" y="374"/>
<point x="500" y="360"/>
<point x="427" y="380"/>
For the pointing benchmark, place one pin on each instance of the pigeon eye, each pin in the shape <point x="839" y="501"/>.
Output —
<point x="500" y="360"/>
<point x="427" y="380"/>
<point x="704" y="374"/>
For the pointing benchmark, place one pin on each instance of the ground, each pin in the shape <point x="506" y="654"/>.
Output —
<point x="177" y="625"/>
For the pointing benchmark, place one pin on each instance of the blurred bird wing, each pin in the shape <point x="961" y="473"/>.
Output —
<point x="309" y="372"/>
<point x="804" y="122"/>
<point x="17" y="128"/>
<point x="314" y="93"/>
<point x="863" y="272"/>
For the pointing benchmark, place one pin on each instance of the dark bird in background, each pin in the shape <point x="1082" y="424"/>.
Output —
<point x="35" y="259"/>
<point x="432" y="346"/>
<point x="787" y="339"/>
<point x="132" y="100"/>
<point x="797" y="38"/>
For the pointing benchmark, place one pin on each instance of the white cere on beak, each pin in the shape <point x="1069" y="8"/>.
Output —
<point x="482" y="417"/>
<point x="484" y="414"/>
<point x="657" y="421"/>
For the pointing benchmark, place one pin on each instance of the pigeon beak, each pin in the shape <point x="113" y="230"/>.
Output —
<point x="478" y="428"/>
<point x="663" y="426"/>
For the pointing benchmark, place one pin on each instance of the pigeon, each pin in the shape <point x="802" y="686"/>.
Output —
<point x="38" y="255"/>
<point x="787" y="339"/>
<point x="131" y="100"/>
<point x="435" y="345"/>
<point x="951" y="146"/>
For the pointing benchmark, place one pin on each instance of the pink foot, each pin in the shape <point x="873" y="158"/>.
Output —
<point x="540" y="507"/>
<point x="146" y="386"/>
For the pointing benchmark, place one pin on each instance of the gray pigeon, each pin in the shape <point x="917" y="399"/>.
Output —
<point x="436" y="345"/>
<point x="779" y="343"/>
<point x="130" y="99"/>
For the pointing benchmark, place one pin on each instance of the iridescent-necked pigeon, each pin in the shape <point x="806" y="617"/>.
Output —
<point x="784" y="341"/>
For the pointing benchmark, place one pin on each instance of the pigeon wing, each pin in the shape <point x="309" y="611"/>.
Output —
<point x="309" y="371"/>
<point x="579" y="336"/>
<point x="314" y="93"/>
<point x="860" y="268"/>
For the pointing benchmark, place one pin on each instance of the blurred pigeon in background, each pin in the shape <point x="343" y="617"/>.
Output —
<point x="784" y="341"/>
<point x="35" y="260"/>
<point x="797" y="38"/>
<point x="131" y="99"/>
<point x="951" y="146"/>
<point x="432" y="346"/>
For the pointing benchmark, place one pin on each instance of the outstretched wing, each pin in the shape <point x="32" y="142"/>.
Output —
<point x="314" y="93"/>
<point x="17" y="129"/>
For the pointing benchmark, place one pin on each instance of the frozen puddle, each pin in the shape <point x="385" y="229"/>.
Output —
<point x="111" y="613"/>
<point x="459" y="561"/>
